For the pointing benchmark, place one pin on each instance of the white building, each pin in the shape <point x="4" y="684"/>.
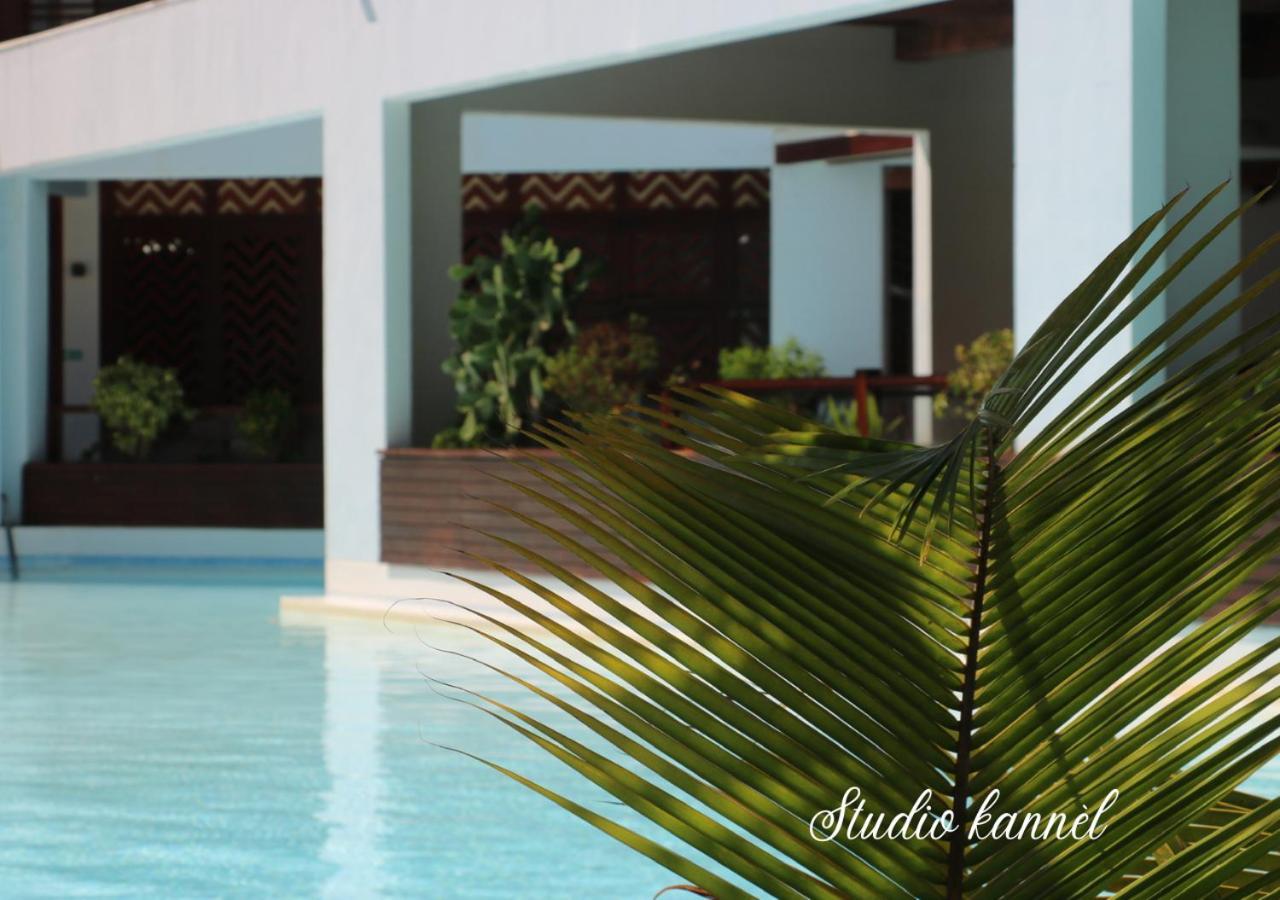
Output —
<point x="1040" y="132"/>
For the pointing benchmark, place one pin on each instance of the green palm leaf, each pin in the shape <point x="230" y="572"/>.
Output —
<point x="781" y="612"/>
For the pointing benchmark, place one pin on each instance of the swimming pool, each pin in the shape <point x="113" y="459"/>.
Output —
<point x="176" y="740"/>
<point x="173" y="738"/>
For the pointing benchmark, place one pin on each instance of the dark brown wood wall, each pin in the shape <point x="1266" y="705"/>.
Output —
<point x="241" y="495"/>
<point x="435" y="503"/>
<point x="220" y="280"/>
<point x="688" y="250"/>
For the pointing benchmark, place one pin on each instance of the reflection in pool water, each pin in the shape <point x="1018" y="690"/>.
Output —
<point x="175" y="739"/>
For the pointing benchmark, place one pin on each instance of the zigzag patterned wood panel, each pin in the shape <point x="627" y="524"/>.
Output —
<point x="750" y="189"/>
<point x="160" y="306"/>
<point x="261" y="300"/>
<point x="573" y="192"/>
<point x="687" y="249"/>
<point x="233" y="196"/>
<point x="671" y="264"/>
<point x="673" y="190"/>
<point x="481" y="243"/>
<point x="598" y="191"/>
<point x="220" y="279"/>
<point x="262" y="196"/>
<point x="158" y="198"/>
<point x="485" y="193"/>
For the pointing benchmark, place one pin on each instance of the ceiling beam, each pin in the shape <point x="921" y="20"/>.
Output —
<point x="842" y="146"/>
<point x="947" y="29"/>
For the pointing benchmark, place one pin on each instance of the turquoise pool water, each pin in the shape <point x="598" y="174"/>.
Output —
<point x="175" y="739"/>
<point x="172" y="737"/>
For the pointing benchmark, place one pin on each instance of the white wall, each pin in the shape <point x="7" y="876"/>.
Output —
<point x="288" y="150"/>
<point x="827" y="256"/>
<point x="80" y="332"/>
<point x="177" y="70"/>
<point x="499" y="143"/>
<point x="24" y="330"/>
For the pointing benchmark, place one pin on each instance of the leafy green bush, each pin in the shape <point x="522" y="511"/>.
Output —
<point x="508" y="317"/>
<point x="607" y="365"/>
<point x="447" y="439"/>
<point x="842" y="416"/>
<point x="136" y="402"/>
<point x="791" y="360"/>
<point x="267" y="422"/>
<point x="978" y="367"/>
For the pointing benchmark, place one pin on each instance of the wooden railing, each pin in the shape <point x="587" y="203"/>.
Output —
<point x="861" y="386"/>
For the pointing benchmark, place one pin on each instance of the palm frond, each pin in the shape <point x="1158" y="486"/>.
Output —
<point x="779" y="612"/>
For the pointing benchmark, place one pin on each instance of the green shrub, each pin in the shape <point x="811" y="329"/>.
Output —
<point x="978" y="367"/>
<point x="136" y="402"/>
<point x="607" y="365"/>
<point x="790" y="360"/>
<point x="505" y="323"/>
<point x="268" y="422"/>
<point x="447" y="439"/>
<point x="842" y="416"/>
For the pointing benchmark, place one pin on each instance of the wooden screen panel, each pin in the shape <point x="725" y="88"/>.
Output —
<point x="157" y="307"/>
<point x="157" y="198"/>
<point x="262" y="312"/>
<point x="218" y="279"/>
<point x="689" y="250"/>
<point x="242" y="495"/>
<point x="435" y="504"/>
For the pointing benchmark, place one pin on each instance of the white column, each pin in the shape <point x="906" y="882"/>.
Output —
<point x="367" y="388"/>
<point x="24" y="330"/>
<point x="922" y="280"/>
<point x="1117" y="105"/>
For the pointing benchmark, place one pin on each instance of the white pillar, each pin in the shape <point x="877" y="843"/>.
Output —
<point x="1118" y="104"/>
<point x="24" y="330"/>
<point x="367" y="388"/>
<point x="922" y="280"/>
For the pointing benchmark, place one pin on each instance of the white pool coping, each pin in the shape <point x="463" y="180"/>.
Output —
<point x="168" y="542"/>
<point x="421" y="595"/>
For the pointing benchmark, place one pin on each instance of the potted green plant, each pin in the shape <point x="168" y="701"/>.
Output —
<point x="978" y="367"/>
<point x="137" y="402"/>
<point x="788" y="360"/>
<point x="510" y="316"/>
<point x="267" y="423"/>
<point x="605" y="367"/>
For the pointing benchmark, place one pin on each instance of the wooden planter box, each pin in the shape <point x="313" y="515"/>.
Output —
<point x="432" y="499"/>
<point x="240" y="495"/>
